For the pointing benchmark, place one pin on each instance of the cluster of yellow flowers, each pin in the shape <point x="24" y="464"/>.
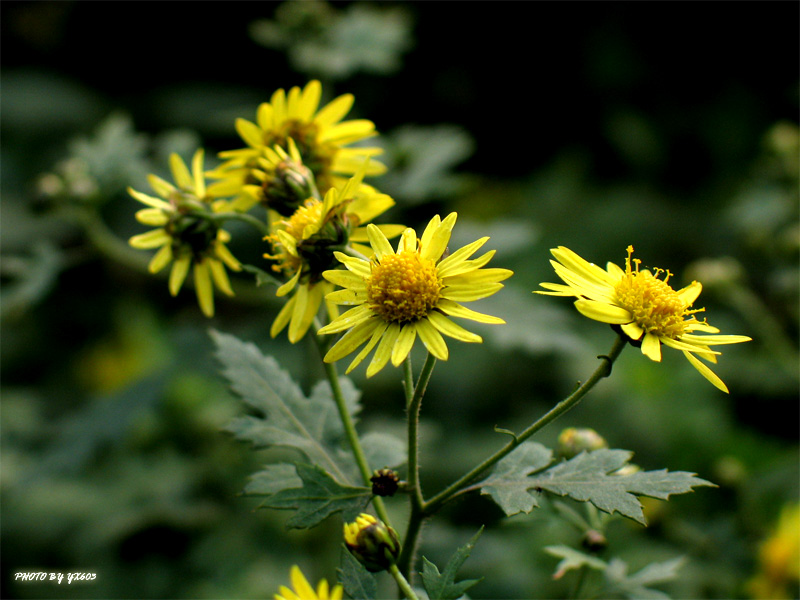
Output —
<point x="300" y="165"/>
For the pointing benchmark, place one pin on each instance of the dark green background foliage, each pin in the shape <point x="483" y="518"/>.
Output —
<point x="592" y="126"/>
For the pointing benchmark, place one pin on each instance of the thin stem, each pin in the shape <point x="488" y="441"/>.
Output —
<point x="603" y="370"/>
<point x="402" y="583"/>
<point x="351" y="433"/>
<point x="262" y="227"/>
<point x="414" y="485"/>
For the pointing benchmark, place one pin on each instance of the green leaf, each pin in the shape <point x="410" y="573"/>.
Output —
<point x="637" y="586"/>
<point x="573" y="559"/>
<point x="590" y="476"/>
<point x="286" y="418"/>
<point x="272" y="479"/>
<point x="355" y="579"/>
<point x="318" y="498"/>
<point x="442" y="586"/>
<point x="615" y="572"/>
<point x="508" y="484"/>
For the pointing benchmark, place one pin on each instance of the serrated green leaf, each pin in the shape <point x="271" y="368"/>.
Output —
<point x="286" y="417"/>
<point x="318" y="498"/>
<point x="442" y="586"/>
<point x="272" y="479"/>
<point x="508" y="484"/>
<point x="355" y="579"/>
<point x="590" y="476"/>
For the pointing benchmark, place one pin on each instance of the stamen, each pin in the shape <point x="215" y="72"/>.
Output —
<point x="403" y="287"/>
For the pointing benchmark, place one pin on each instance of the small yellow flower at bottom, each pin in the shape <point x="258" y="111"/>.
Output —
<point x="645" y="308"/>
<point x="303" y="590"/>
<point x="397" y="296"/>
<point x="374" y="544"/>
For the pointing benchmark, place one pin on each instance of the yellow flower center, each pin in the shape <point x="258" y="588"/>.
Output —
<point x="308" y="214"/>
<point x="655" y="306"/>
<point x="403" y="287"/>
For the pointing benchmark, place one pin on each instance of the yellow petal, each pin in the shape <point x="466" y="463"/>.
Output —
<point x="379" y="242"/>
<point x="706" y="372"/>
<point x="384" y="350"/>
<point x="404" y="343"/>
<point x="161" y="259"/>
<point x="605" y="313"/>
<point x="203" y="288"/>
<point x="180" y="173"/>
<point x="456" y="310"/>
<point x="151" y="239"/>
<point x="432" y="339"/>
<point x="282" y="320"/>
<point x="177" y="274"/>
<point x="450" y="329"/>
<point x="334" y="111"/>
<point x="651" y="347"/>
<point x="352" y="339"/>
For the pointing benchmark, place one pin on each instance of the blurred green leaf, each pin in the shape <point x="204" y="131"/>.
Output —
<point x="421" y="162"/>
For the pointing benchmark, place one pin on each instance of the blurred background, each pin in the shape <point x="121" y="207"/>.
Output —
<point x="672" y="127"/>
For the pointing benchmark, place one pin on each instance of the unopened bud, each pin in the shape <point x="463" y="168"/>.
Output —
<point x="574" y="440"/>
<point x="372" y="542"/>
<point x="385" y="482"/>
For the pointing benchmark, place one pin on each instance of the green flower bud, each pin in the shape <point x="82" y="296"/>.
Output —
<point x="574" y="440"/>
<point x="372" y="542"/>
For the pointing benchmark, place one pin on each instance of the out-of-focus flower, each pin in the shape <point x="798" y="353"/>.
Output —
<point x="645" y="308"/>
<point x="303" y="590"/>
<point x="413" y="291"/>
<point x="322" y="138"/>
<point x="574" y="440"/>
<point x="778" y="574"/>
<point x="184" y="233"/>
<point x="372" y="542"/>
<point x="303" y="247"/>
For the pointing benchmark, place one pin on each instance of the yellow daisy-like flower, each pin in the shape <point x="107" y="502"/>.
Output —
<point x="304" y="246"/>
<point x="278" y="180"/>
<point x="644" y="307"/>
<point x="321" y="136"/>
<point x="397" y="296"/>
<point x="184" y="237"/>
<point x="303" y="590"/>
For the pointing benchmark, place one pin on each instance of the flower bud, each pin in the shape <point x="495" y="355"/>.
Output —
<point x="574" y="440"/>
<point x="372" y="542"/>
<point x="385" y="482"/>
<point x="291" y="184"/>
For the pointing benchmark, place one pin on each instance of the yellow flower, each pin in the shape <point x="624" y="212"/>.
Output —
<point x="278" y="180"/>
<point x="397" y="296"/>
<point x="304" y="245"/>
<point x="321" y="136"/>
<point x="184" y="234"/>
<point x="372" y="542"/>
<point x="303" y="590"/>
<point x="644" y="307"/>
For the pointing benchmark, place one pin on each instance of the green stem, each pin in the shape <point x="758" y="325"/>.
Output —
<point x="603" y="370"/>
<point x="414" y="485"/>
<point x="402" y="583"/>
<point x="351" y="433"/>
<point x="262" y="227"/>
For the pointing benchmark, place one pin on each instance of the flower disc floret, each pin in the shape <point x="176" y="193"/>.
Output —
<point x="403" y="287"/>
<point x="645" y="308"/>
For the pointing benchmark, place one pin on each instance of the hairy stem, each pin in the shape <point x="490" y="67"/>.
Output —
<point x="603" y="370"/>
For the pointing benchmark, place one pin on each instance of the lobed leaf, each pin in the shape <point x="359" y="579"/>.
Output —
<point x="442" y="586"/>
<point x="319" y="497"/>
